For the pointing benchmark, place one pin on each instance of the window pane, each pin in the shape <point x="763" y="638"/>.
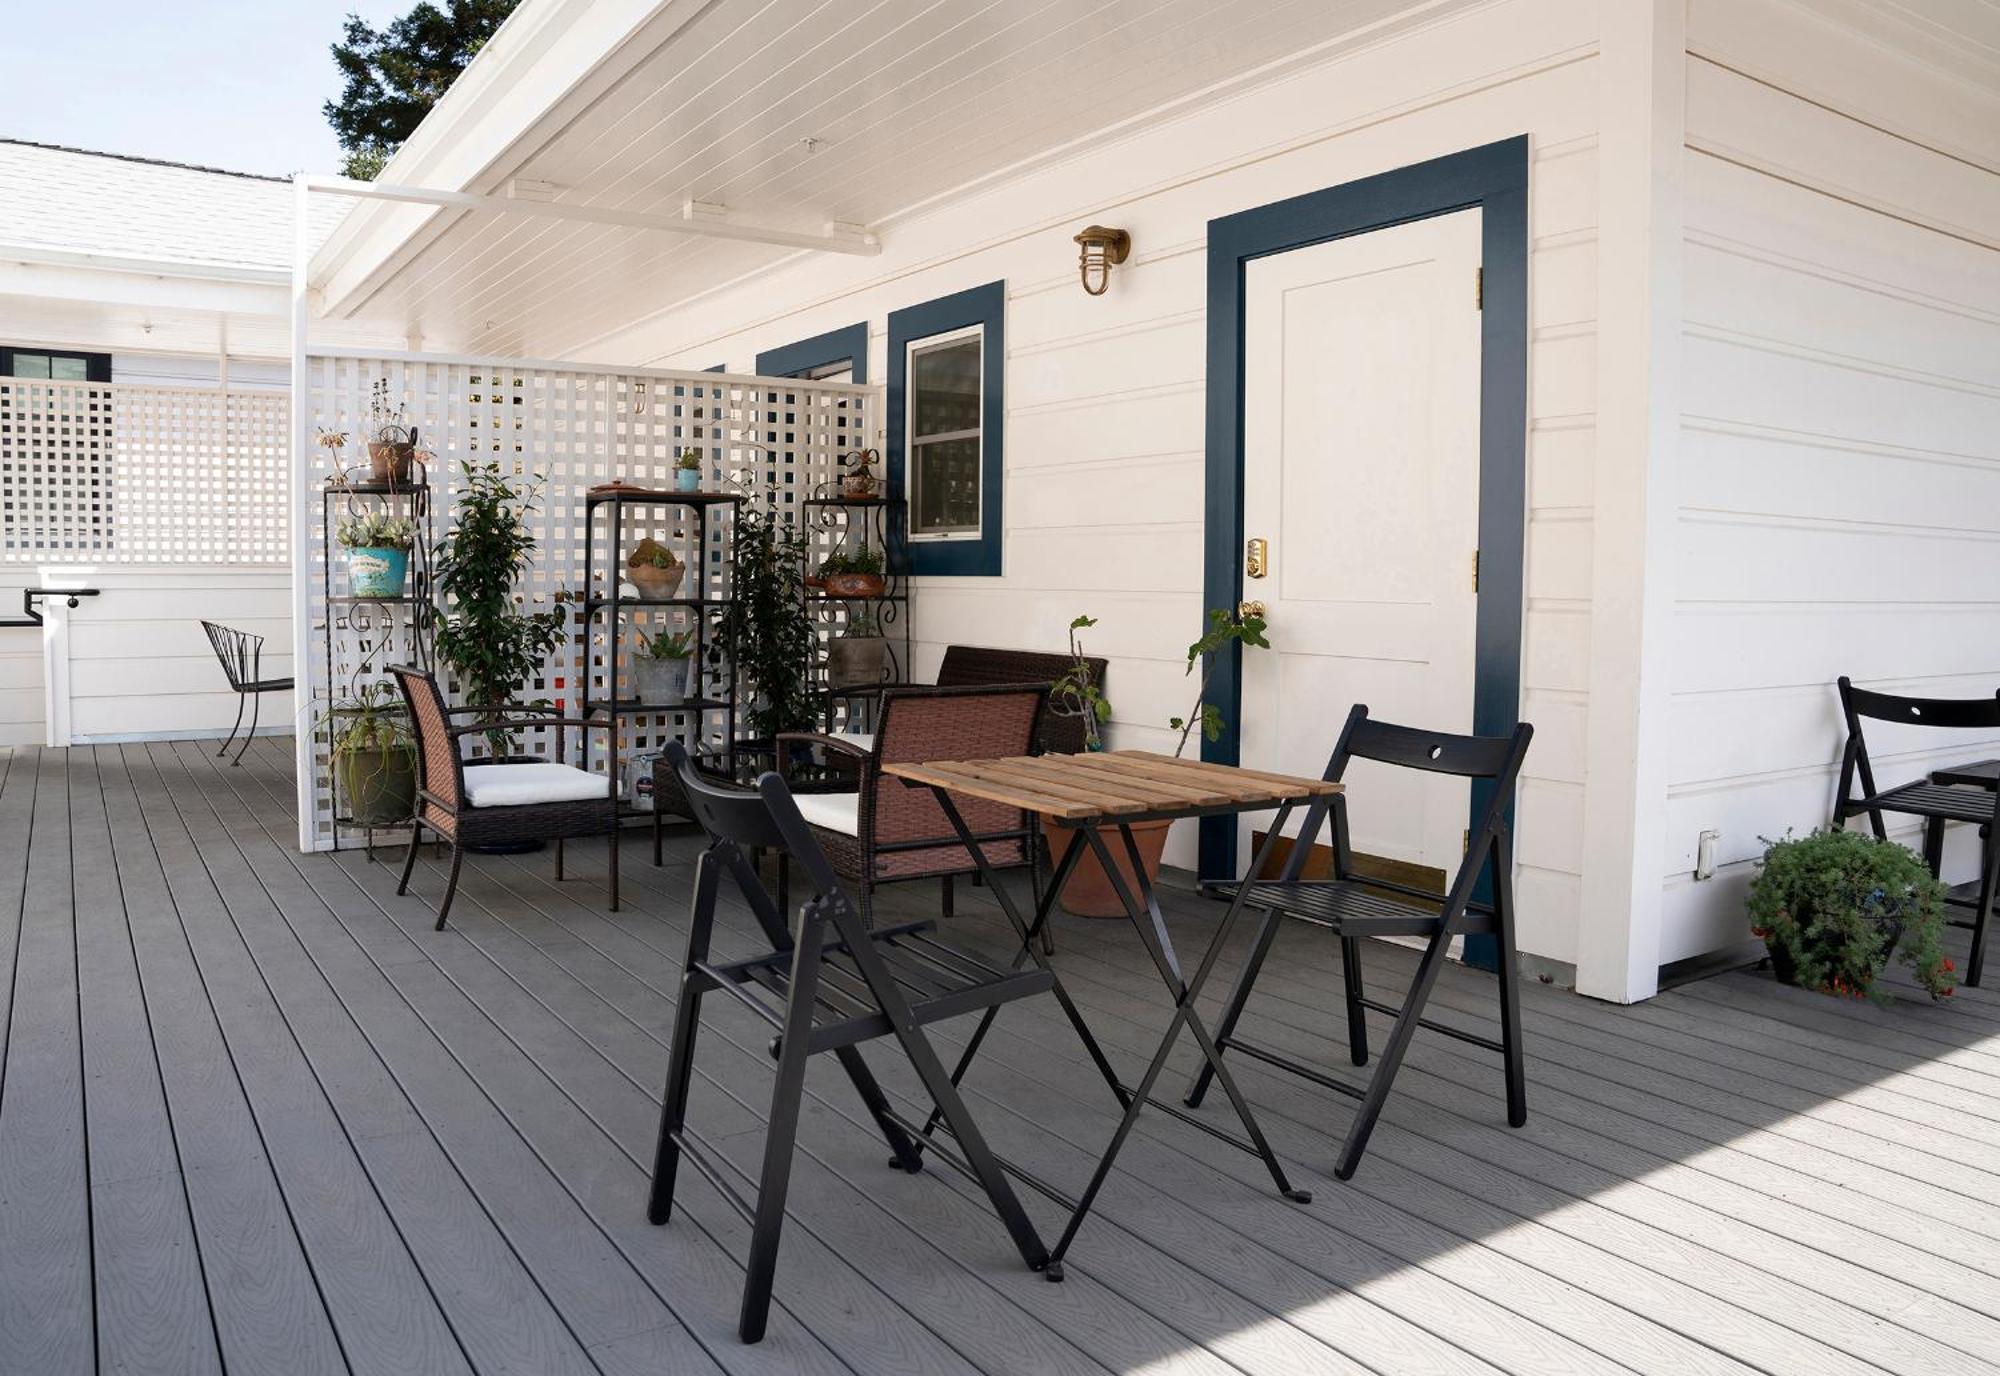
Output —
<point x="68" y="369"/>
<point x="944" y="389"/>
<point x="945" y="500"/>
<point x="31" y="365"/>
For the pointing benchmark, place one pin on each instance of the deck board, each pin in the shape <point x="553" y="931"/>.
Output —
<point x="255" y="1115"/>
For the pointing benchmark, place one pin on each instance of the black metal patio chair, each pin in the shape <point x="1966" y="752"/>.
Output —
<point x="242" y="658"/>
<point x="1353" y="907"/>
<point x="828" y="987"/>
<point x="1936" y="803"/>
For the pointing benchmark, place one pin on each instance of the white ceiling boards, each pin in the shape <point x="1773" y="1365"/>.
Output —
<point x="808" y="122"/>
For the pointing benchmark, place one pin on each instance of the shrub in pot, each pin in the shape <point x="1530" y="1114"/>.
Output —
<point x="1832" y="907"/>
<point x="856" y="575"/>
<point x="766" y="623"/>
<point x="855" y="657"/>
<point x="377" y="545"/>
<point x="660" y="668"/>
<point x="374" y="758"/>
<point x="654" y="570"/>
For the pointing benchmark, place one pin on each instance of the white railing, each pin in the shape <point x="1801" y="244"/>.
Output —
<point x="96" y="472"/>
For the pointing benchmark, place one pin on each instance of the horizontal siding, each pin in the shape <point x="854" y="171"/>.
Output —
<point x="1839" y="476"/>
<point x="1105" y="396"/>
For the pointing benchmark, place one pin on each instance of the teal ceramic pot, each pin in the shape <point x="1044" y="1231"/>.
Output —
<point x="687" y="480"/>
<point x="375" y="571"/>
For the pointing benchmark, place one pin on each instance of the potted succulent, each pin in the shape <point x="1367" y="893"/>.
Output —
<point x="1832" y="907"/>
<point x="660" y="668"/>
<point x="374" y="757"/>
<point x="856" y="575"/>
<point x="392" y="445"/>
<point x="654" y="570"/>
<point x="856" y="655"/>
<point x="859" y="482"/>
<point x="378" y="547"/>
<point x="687" y="471"/>
<point x="1089" y="891"/>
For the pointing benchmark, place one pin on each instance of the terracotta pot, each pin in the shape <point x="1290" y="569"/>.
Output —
<point x="1088" y="891"/>
<point x="654" y="582"/>
<point x="391" y="463"/>
<point x="854" y="584"/>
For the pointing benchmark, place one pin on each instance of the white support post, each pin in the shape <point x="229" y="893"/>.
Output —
<point x="1641" y="133"/>
<point x="55" y="670"/>
<point x="300" y="495"/>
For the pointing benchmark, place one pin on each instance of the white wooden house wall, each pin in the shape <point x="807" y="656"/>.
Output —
<point x="1105" y="395"/>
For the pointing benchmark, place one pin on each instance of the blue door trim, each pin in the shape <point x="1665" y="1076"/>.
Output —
<point x="1495" y="179"/>
<point x="849" y="344"/>
<point x="985" y="306"/>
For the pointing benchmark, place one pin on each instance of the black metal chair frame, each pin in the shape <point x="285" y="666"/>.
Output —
<point x="1353" y="907"/>
<point x="829" y="987"/>
<point x="1935" y="803"/>
<point x="462" y="825"/>
<point x="242" y="657"/>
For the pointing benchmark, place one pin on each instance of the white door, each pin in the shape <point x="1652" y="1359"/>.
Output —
<point x="1361" y="474"/>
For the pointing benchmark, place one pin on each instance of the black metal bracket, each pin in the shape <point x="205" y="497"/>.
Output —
<point x="31" y="615"/>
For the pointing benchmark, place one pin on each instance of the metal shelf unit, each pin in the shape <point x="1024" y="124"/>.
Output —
<point x="832" y="525"/>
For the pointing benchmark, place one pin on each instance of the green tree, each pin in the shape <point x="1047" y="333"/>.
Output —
<point x="395" y="74"/>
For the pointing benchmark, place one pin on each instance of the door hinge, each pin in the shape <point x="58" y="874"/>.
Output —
<point x="1465" y="841"/>
<point x="1475" y="570"/>
<point x="1479" y="288"/>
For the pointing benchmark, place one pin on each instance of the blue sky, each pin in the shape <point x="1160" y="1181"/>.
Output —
<point x="226" y="83"/>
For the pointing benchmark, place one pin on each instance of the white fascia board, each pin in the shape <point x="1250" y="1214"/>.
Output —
<point x="550" y="59"/>
<point x="139" y="287"/>
<point x="180" y="268"/>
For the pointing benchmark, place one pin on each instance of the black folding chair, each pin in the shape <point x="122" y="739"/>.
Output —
<point x="1936" y="803"/>
<point x="242" y="657"/>
<point x="1353" y="907"/>
<point x="830" y="987"/>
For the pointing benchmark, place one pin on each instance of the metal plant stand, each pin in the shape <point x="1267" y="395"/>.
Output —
<point x="836" y="524"/>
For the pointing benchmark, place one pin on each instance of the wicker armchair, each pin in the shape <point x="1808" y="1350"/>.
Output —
<point x="503" y="801"/>
<point x="886" y="832"/>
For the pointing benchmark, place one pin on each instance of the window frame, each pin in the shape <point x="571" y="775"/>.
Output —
<point x="982" y="308"/>
<point x="911" y="350"/>
<point x="96" y="367"/>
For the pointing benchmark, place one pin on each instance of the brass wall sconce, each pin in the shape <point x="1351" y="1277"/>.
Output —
<point x="1102" y="249"/>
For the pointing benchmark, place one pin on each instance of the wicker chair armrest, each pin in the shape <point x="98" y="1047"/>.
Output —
<point x="840" y="743"/>
<point x="519" y="723"/>
<point x="515" y="707"/>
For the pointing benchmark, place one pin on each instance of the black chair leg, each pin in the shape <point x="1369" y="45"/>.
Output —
<point x="947" y="898"/>
<point x="410" y="860"/>
<point x="559" y="860"/>
<point x="1357" y="1016"/>
<point x="680" y="1060"/>
<point x="612" y="841"/>
<point x="1934" y="845"/>
<point x="1238" y="996"/>
<point x="658" y="829"/>
<point x="1392" y="1056"/>
<point x="450" y="885"/>
<point x="231" y="740"/>
<point x="1510" y="987"/>
<point x="906" y="1157"/>
<point x="256" y="708"/>
<point x="1982" y="917"/>
<point x="1048" y="937"/>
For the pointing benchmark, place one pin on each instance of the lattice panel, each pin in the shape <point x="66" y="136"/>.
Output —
<point x="571" y="430"/>
<point x="116" y="472"/>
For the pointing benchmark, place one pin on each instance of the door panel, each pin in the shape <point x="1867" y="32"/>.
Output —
<point x="1361" y="470"/>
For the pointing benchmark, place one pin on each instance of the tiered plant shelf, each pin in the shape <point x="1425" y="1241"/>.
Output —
<point x="846" y="525"/>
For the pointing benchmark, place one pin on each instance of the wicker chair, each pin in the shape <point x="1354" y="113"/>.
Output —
<point x="886" y="832"/>
<point x="504" y="801"/>
<point x="967" y="666"/>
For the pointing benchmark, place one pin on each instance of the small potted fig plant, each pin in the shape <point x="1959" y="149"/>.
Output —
<point x="856" y="655"/>
<point x="687" y="471"/>
<point x="1833" y="906"/>
<point x="654" y="570"/>
<point x="374" y="758"/>
<point x="856" y="575"/>
<point x="378" y="547"/>
<point x="660" y="668"/>
<point x="1076" y="693"/>
<point x="392" y="445"/>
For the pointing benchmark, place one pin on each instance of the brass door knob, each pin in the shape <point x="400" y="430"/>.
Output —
<point x="1249" y="609"/>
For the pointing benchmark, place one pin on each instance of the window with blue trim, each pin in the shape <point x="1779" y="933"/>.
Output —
<point x="945" y="411"/>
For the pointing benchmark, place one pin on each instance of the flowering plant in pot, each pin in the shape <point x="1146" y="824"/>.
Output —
<point x="654" y="570"/>
<point x="1089" y="891"/>
<point x="1833" y="906"/>
<point x="392" y="445"/>
<point x="374" y="757"/>
<point x="856" y="575"/>
<point x="856" y="655"/>
<point x="687" y="471"/>
<point x="660" y="667"/>
<point x="378" y="545"/>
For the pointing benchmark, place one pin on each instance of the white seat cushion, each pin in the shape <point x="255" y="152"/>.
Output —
<point x="509" y="785"/>
<point x="839" y="812"/>
<point x="860" y="740"/>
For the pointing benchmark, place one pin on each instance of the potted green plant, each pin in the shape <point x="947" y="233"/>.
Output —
<point x="486" y="635"/>
<point x="392" y="445"/>
<point x="765" y="623"/>
<point x="687" y="471"/>
<point x="374" y="757"/>
<point x="654" y="570"/>
<point x="377" y="546"/>
<point x="660" y="667"/>
<point x="858" y="652"/>
<point x="1076" y="693"/>
<point x="1831" y="907"/>
<point x="858" y="575"/>
<point x="1089" y="891"/>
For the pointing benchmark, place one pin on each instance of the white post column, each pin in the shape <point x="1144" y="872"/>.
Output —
<point x="1642" y="56"/>
<point x="301" y="494"/>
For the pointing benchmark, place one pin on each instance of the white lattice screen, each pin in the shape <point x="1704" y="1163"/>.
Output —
<point x="572" y="429"/>
<point x="124" y="473"/>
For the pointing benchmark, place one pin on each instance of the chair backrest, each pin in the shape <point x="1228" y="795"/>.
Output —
<point x="440" y="771"/>
<point x="240" y="653"/>
<point x="969" y="665"/>
<point x="737" y="820"/>
<point x="986" y="722"/>
<point x="1954" y="714"/>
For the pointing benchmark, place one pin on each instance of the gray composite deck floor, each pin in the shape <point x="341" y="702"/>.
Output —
<point x="257" y="1117"/>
